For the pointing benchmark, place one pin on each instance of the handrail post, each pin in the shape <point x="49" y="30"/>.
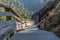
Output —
<point x="8" y="18"/>
<point x="25" y="23"/>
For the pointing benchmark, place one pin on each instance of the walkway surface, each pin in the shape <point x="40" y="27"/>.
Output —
<point x="34" y="33"/>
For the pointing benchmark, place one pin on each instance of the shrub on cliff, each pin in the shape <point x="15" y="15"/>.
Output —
<point x="53" y="22"/>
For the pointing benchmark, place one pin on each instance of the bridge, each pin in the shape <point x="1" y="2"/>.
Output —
<point x="9" y="27"/>
<point x="34" y="34"/>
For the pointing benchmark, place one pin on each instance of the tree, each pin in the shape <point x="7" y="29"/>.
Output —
<point x="25" y="14"/>
<point x="18" y="6"/>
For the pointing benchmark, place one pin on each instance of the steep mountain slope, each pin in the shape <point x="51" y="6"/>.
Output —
<point x="33" y="5"/>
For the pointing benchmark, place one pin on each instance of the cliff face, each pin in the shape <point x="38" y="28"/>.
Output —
<point x="50" y="19"/>
<point x="52" y="22"/>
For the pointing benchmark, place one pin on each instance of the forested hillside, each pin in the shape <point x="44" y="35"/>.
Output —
<point x="34" y="5"/>
<point x="19" y="7"/>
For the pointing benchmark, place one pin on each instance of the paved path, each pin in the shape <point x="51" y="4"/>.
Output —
<point x="34" y="34"/>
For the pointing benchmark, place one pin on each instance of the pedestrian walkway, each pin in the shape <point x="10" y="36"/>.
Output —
<point x="34" y="34"/>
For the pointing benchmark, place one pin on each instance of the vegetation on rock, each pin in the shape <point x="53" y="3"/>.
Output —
<point x="19" y="7"/>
